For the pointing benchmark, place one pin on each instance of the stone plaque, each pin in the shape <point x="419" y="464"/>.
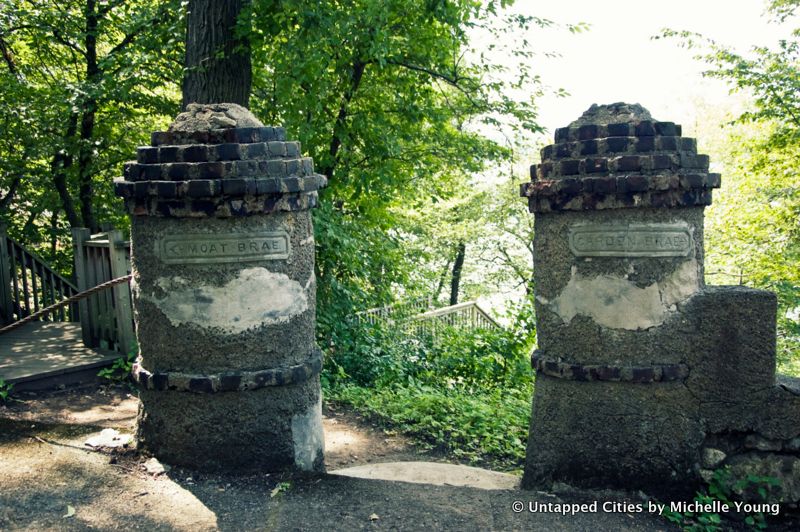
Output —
<point x="635" y="240"/>
<point x="215" y="249"/>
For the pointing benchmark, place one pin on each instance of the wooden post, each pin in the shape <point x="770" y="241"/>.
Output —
<point x="122" y="297"/>
<point x="6" y="304"/>
<point x="79" y="236"/>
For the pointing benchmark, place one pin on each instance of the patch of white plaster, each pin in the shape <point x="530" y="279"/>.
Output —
<point x="255" y="297"/>
<point x="308" y="437"/>
<point x="307" y="241"/>
<point x="618" y="303"/>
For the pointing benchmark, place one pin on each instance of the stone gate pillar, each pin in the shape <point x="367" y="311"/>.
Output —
<point x="645" y="377"/>
<point x="222" y="254"/>
<point x="618" y="245"/>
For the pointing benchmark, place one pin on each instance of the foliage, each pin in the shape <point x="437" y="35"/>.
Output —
<point x="5" y="391"/>
<point x="83" y="84"/>
<point x="724" y="488"/>
<point x="490" y="425"/>
<point x="752" y="231"/>
<point x="466" y="391"/>
<point x="387" y="353"/>
<point x="393" y="104"/>
<point x="120" y="370"/>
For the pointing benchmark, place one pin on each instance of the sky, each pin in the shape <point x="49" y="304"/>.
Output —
<point x="616" y="60"/>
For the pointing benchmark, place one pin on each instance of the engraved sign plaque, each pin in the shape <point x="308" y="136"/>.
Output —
<point x="635" y="240"/>
<point x="215" y="249"/>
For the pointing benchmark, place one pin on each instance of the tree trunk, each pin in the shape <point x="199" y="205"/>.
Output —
<point x="218" y="68"/>
<point x="442" y="280"/>
<point x="62" y="161"/>
<point x="458" y="264"/>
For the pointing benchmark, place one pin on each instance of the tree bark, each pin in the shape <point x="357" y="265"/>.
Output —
<point x="62" y="160"/>
<point x="458" y="264"/>
<point x="89" y="109"/>
<point x="341" y="118"/>
<point x="442" y="280"/>
<point x="217" y="63"/>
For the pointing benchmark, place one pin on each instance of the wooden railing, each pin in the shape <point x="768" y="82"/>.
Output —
<point x="28" y="284"/>
<point x="467" y="315"/>
<point x="107" y="316"/>
<point x="396" y="312"/>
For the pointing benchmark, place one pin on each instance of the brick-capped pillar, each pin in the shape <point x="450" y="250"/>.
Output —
<point x="222" y="253"/>
<point x="618" y="203"/>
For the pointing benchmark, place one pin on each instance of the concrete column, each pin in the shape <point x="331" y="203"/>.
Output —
<point x="222" y="252"/>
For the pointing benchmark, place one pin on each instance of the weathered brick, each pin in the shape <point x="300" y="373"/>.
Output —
<point x="214" y="170"/>
<point x="270" y="186"/>
<point x="228" y="152"/>
<point x="195" y="153"/>
<point x="234" y="186"/>
<point x="308" y="165"/>
<point x="661" y="162"/>
<point x="147" y="155"/>
<point x="151" y="172"/>
<point x="276" y="168"/>
<point x="666" y="129"/>
<point x="200" y="385"/>
<point x="564" y="150"/>
<point x="645" y="144"/>
<point x="229" y="383"/>
<point x="668" y="143"/>
<point x="622" y="129"/>
<point x="629" y="163"/>
<point x="246" y="168"/>
<point x="589" y="147"/>
<point x="594" y="165"/>
<point x="178" y="171"/>
<point x="166" y="189"/>
<point x="616" y="144"/>
<point x="199" y="188"/>
<point x="713" y="180"/>
<point x="588" y="131"/>
<point x="293" y="149"/>
<point x="292" y="184"/>
<point x="247" y="135"/>
<point x="561" y="134"/>
<point x="637" y="183"/>
<point x="693" y="180"/>
<point x="570" y="186"/>
<point x="256" y="150"/>
<point x="688" y="144"/>
<point x="168" y="154"/>
<point x="277" y="149"/>
<point x="645" y="129"/>
<point x="605" y="185"/>
<point x="569" y="167"/>
<point x="643" y="375"/>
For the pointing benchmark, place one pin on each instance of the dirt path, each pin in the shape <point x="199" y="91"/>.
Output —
<point x="50" y="480"/>
<point x="349" y="439"/>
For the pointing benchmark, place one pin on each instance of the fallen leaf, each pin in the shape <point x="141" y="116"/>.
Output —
<point x="70" y="512"/>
